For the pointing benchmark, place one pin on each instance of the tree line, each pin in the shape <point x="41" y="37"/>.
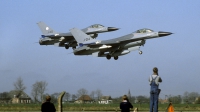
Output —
<point x="39" y="88"/>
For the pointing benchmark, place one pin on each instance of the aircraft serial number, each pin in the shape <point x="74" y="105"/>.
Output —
<point x="51" y="31"/>
<point x="86" y="39"/>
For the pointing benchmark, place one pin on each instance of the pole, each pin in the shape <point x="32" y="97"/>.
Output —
<point x="60" y="101"/>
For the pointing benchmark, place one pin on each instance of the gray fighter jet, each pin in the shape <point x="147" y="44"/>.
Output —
<point x="51" y="37"/>
<point x="113" y="47"/>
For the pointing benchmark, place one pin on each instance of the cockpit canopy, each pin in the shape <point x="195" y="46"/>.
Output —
<point x="96" y="26"/>
<point x="144" y="30"/>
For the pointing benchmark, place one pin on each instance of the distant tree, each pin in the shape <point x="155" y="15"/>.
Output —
<point x="34" y="92"/>
<point x="117" y="100"/>
<point x="5" y="97"/>
<point x="81" y="92"/>
<point x="142" y="99"/>
<point x="67" y="96"/>
<point x="74" y="97"/>
<point x="99" y="94"/>
<point x="132" y="99"/>
<point x="54" y="97"/>
<point x="175" y="99"/>
<point x="38" y="90"/>
<point x="19" y="85"/>
<point x="92" y="94"/>
<point x="197" y="101"/>
<point x="190" y="97"/>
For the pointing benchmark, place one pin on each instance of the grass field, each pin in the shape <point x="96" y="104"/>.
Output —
<point x="96" y="107"/>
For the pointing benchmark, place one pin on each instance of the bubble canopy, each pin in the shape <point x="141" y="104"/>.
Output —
<point x="96" y="26"/>
<point x="144" y="30"/>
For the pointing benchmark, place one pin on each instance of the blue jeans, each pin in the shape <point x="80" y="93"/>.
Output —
<point x="154" y="101"/>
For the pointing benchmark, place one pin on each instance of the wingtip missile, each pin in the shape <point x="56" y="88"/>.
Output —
<point x="105" y="46"/>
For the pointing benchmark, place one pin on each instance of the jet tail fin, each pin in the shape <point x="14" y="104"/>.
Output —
<point x="81" y="37"/>
<point x="45" y="29"/>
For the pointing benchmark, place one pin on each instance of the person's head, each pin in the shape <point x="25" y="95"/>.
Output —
<point x="48" y="98"/>
<point x="155" y="70"/>
<point x="125" y="97"/>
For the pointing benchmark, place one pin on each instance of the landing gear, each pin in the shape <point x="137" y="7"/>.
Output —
<point x="66" y="46"/>
<point x="115" y="57"/>
<point x="73" y="48"/>
<point x="108" y="57"/>
<point x="140" y="52"/>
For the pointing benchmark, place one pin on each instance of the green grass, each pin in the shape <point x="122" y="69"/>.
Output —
<point x="96" y="107"/>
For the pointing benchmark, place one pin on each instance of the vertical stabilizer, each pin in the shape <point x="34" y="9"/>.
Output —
<point x="80" y="36"/>
<point x="45" y="29"/>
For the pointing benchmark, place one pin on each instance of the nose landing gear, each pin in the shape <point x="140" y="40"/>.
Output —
<point x="140" y="52"/>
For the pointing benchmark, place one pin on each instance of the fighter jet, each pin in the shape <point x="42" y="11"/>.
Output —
<point x="114" y="47"/>
<point x="51" y="37"/>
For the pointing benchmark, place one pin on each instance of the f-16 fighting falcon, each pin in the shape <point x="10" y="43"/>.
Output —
<point x="51" y="37"/>
<point x="113" y="47"/>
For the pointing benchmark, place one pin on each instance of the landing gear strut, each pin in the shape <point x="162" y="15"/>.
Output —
<point x="73" y="48"/>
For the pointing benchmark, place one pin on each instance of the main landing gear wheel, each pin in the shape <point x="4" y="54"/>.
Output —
<point x="66" y="47"/>
<point x="140" y="52"/>
<point x="108" y="57"/>
<point x="115" y="57"/>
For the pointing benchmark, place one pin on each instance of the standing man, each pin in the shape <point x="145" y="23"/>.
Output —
<point x="154" y="80"/>
<point x="48" y="106"/>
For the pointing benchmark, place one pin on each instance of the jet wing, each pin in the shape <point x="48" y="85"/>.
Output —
<point x="115" y="43"/>
<point x="118" y="41"/>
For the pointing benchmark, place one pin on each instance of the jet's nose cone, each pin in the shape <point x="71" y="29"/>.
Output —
<point x="161" y="34"/>
<point x="112" y="28"/>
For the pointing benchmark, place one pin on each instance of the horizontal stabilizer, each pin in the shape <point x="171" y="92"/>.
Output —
<point x="57" y="44"/>
<point x="96" y="54"/>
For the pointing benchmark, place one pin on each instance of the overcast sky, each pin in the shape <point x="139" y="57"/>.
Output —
<point x="177" y="56"/>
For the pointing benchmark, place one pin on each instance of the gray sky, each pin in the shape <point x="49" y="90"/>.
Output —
<point x="176" y="56"/>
